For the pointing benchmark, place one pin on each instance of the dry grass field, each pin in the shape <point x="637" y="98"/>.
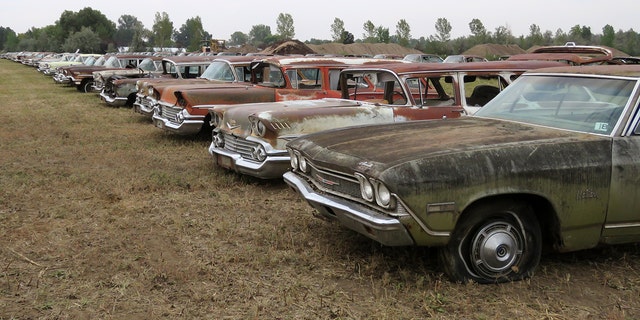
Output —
<point x="103" y="216"/>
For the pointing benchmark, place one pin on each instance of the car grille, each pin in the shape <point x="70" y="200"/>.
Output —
<point x="335" y="183"/>
<point x="239" y="145"/>
<point x="169" y="113"/>
<point x="346" y="186"/>
<point x="108" y="87"/>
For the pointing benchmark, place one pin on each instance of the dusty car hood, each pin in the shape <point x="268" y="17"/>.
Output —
<point x="284" y="114"/>
<point x="221" y="93"/>
<point x="380" y="147"/>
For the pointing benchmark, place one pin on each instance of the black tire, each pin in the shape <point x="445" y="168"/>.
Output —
<point x="494" y="243"/>
<point x="86" y="86"/>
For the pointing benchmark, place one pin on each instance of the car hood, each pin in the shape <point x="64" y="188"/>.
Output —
<point x="379" y="147"/>
<point x="220" y="93"/>
<point x="289" y="119"/>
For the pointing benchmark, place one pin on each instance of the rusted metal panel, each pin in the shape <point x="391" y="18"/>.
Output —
<point x="571" y="54"/>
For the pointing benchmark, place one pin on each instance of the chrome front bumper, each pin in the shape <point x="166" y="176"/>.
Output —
<point x="271" y="168"/>
<point x="113" y="101"/>
<point x="384" y="229"/>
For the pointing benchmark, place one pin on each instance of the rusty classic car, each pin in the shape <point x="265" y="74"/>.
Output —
<point x="81" y="77"/>
<point x="190" y="71"/>
<point x="148" y="67"/>
<point x="251" y="138"/>
<point x="180" y="109"/>
<point x="551" y="162"/>
<point x="121" y="89"/>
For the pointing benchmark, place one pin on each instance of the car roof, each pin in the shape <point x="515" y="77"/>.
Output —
<point x="624" y="70"/>
<point x="416" y="67"/>
<point x="182" y="59"/>
<point x="326" y="61"/>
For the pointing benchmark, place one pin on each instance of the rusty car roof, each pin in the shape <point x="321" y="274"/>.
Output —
<point x="415" y="67"/>
<point x="299" y="61"/>
<point x="570" y="53"/>
<point x="622" y="70"/>
<point x="190" y="59"/>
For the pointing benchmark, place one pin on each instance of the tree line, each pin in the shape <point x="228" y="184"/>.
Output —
<point x="90" y="31"/>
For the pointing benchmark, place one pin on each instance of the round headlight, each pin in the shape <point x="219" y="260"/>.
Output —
<point x="303" y="164"/>
<point x="259" y="153"/>
<point x="366" y="189"/>
<point x="218" y="140"/>
<point x="216" y="119"/>
<point x="294" y="160"/>
<point x="383" y="196"/>
<point x="180" y="116"/>
<point x="260" y="128"/>
<point x="150" y="91"/>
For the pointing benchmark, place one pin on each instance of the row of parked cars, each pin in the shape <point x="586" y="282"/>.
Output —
<point x="492" y="162"/>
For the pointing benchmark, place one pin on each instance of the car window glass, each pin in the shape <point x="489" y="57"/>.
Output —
<point x="481" y="90"/>
<point x="586" y="104"/>
<point x="334" y="78"/>
<point x="219" y="70"/>
<point x="305" y="78"/>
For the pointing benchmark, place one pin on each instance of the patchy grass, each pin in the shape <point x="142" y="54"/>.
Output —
<point x="104" y="216"/>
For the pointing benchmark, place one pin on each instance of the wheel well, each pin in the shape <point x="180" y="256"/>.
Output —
<point x="545" y="214"/>
<point x="131" y="98"/>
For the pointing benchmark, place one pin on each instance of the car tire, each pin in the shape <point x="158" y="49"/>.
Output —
<point x="494" y="243"/>
<point x="86" y="86"/>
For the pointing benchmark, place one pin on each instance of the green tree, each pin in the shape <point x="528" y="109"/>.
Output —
<point x="443" y="29"/>
<point x="608" y="36"/>
<point x="238" y="38"/>
<point x="284" y="26"/>
<point x="84" y="40"/>
<point x="8" y="39"/>
<point x="478" y="31"/>
<point x="191" y="34"/>
<point x="347" y="37"/>
<point x="503" y="35"/>
<point x="138" y="42"/>
<point x="628" y="41"/>
<point x="580" y="34"/>
<point x="560" y="37"/>
<point x="259" y="35"/>
<point x="403" y="32"/>
<point x="382" y="34"/>
<point x="585" y="34"/>
<point x="162" y="30"/>
<point x="337" y="30"/>
<point x="128" y="25"/>
<point x="369" y="31"/>
<point x="71" y="22"/>
<point x="535" y="35"/>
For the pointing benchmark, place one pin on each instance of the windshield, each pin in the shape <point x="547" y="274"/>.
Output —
<point x="579" y="103"/>
<point x="147" y="65"/>
<point x="100" y="61"/>
<point x="219" y="70"/>
<point x="113" y="62"/>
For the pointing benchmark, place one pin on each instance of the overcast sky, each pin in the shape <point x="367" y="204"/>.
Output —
<point x="313" y="18"/>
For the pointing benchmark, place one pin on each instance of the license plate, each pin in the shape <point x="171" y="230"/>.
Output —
<point x="225" y="162"/>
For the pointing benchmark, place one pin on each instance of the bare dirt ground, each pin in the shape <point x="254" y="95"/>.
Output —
<point x="103" y="216"/>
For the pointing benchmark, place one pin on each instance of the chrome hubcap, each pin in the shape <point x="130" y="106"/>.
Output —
<point x="497" y="249"/>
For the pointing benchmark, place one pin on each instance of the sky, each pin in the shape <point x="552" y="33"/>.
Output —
<point x="313" y="19"/>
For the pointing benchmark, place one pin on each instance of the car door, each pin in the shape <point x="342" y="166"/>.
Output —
<point x="623" y="216"/>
